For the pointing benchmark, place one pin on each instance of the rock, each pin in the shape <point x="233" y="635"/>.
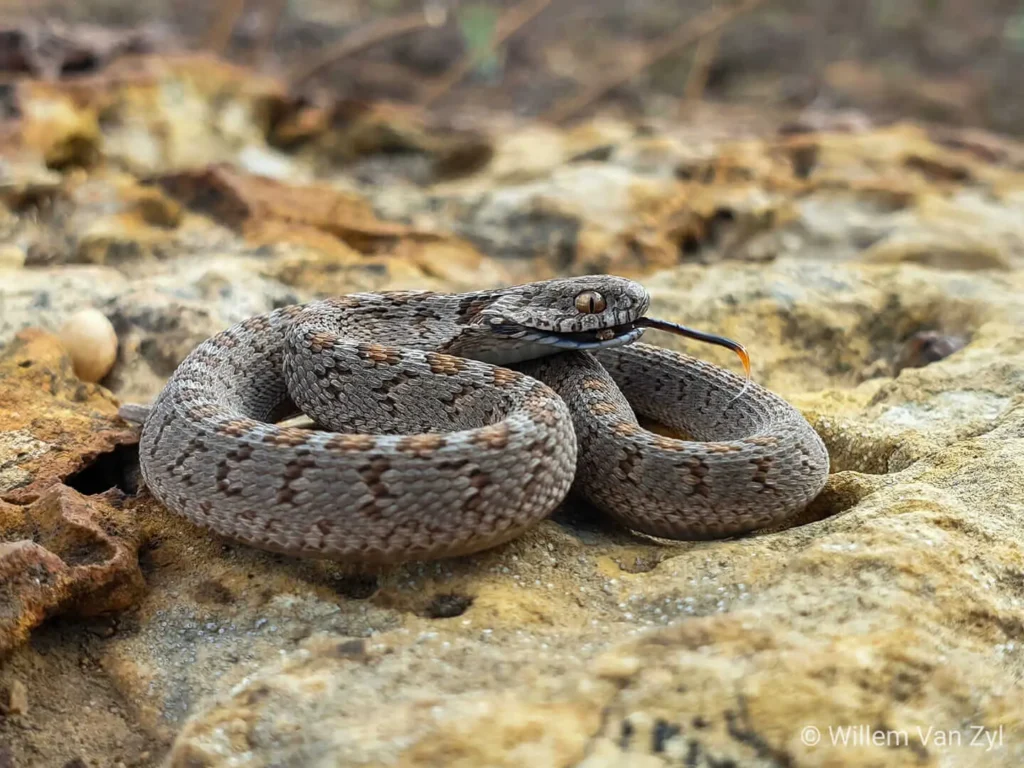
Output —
<point x="91" y="341"/>
<point x="926" y="347"/>
<point x="875" y="276"/>
<point x="53" y="425"/>
<point x="569" y="655"/>
<point x="48" y="50"/>
<point x="55" y="125"/>
<point x="46" y="297"/>
<point x="56" y="558"/>
<point x="246" y="202"/>
<point x="61" y="550"/>
<point x="944" y="252"/>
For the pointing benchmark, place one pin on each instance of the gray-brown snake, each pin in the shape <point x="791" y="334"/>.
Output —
<point x="449" y="423"/>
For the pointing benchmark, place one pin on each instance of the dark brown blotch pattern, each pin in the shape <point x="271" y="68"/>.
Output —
<point x="445" y="365"/>
<point x="423" y="446"/>
<point x="493" y="437"/>
<point x="379" y="354"/>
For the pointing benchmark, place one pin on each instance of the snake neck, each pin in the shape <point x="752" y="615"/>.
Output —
<point x="479" y="344"/>
<point x="502" y="326"/>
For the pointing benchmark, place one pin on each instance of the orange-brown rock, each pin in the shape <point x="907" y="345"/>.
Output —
<point x="52" y="424"/>
<point x="60" y="551"/>
<point x="244" y="201"/>
<point x="64" y="553"/>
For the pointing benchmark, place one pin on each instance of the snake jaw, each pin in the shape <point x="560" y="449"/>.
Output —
<point x="600" y="338"/>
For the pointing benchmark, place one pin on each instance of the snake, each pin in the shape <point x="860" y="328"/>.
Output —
<point x="444" y="424"/>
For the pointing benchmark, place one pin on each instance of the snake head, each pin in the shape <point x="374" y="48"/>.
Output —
<point x="588" y="312"/>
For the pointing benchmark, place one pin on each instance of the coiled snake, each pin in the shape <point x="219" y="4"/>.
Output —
<point x="449" y="423"/>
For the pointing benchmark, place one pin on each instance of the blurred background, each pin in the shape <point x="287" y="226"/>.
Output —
<point x="956" y="62"/>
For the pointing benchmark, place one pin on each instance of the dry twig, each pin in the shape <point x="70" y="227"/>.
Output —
<point x="700" y="67"/>
<point x="507" y="25"/>
<point x="228" y="14"/>
<point x="697" y="28"/>
<point x="357" y="41"/>
<point x="267" y="33"/>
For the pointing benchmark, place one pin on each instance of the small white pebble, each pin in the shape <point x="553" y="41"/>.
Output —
<point x="91" y="343"/>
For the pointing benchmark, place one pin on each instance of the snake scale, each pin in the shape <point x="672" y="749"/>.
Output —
<point x="449" y="423"/>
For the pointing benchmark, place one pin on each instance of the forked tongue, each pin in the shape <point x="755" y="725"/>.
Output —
<point x="709" y="338"/>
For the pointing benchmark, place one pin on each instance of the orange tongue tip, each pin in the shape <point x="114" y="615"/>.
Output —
<point x="741" y="352"/>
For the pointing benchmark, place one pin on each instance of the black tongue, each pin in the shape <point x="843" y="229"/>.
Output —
<point x="709" y="338"/>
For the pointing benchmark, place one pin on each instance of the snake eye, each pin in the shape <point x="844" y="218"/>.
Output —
<point x="590" y="302"/>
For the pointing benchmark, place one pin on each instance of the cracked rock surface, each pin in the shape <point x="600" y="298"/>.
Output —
<point x="876" y="276"/>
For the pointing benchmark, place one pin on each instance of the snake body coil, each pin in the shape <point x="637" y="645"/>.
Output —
<point x="449" y="423"/>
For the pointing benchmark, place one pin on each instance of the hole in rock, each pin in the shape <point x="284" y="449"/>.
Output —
<point x="644" y="563"/>
<point x="447" y="606"/>
<point x="10" y="108"/>
<point x="841" y="493"/>
<point x="212" y="592"/>
<point x="355" y="587"/>
<point x="717" y="225"/>
<point x="689" y="246"/>
<point x="926" y="347"/>
<point x="857" y="345"/>
<point x="147" y="562"/>
<point x="662" y="732"/>
<point x="938" y="171"/>
<point x="625" y="734"/>
<point x="599" y="154"/>
<point x="80" y="64"/>
<point x="75" y="152"/>
<point x="118" y="468"/>
<point x="79" y="550"/>
<point x="350" y="648"/>
<point x="804" y="159"/>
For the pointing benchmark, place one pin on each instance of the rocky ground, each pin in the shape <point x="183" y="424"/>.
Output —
<point x="875" y="274"/>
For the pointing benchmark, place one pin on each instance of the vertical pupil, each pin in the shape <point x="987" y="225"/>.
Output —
<point x="590" y="299"/>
